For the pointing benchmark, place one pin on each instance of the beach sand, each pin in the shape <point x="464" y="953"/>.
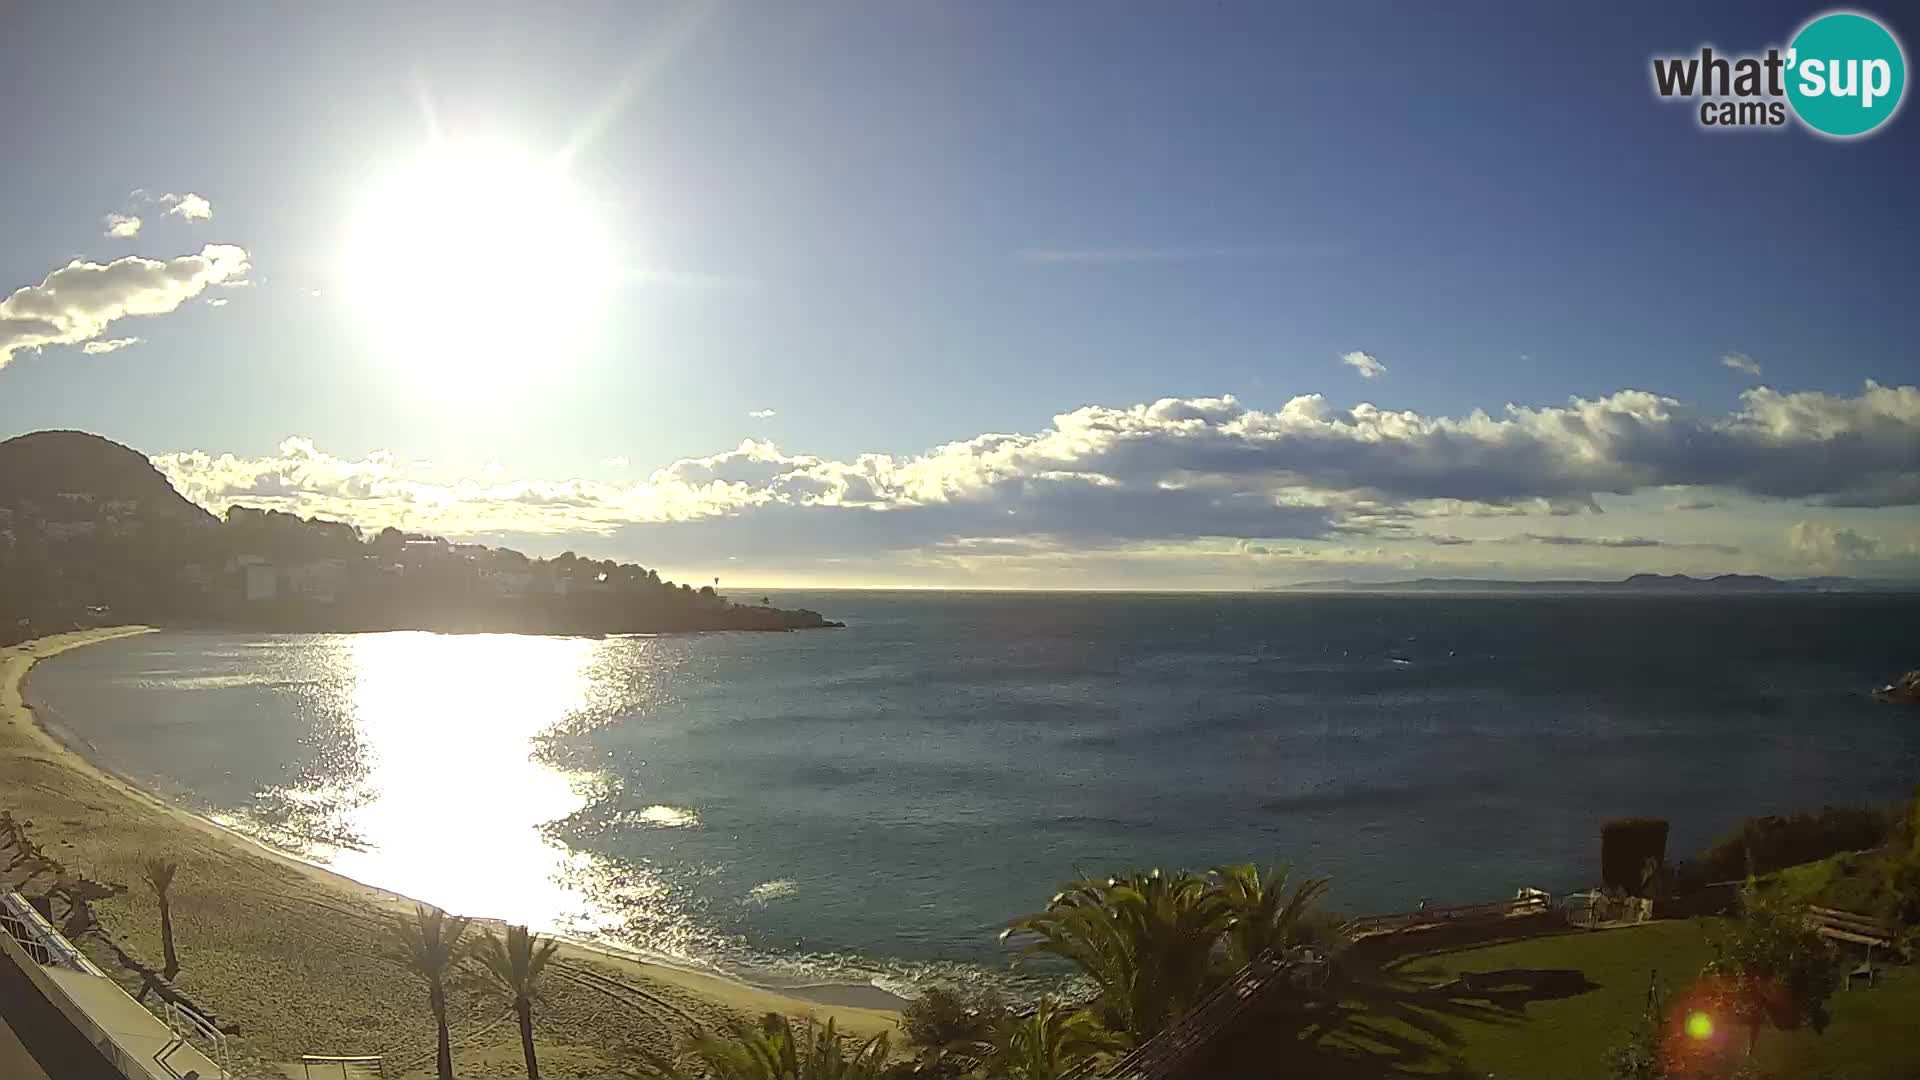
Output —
<point x="299" y="957"/>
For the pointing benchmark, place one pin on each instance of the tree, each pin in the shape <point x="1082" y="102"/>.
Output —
<point x="512" y="967"/>
<point x="1773" y="970"/>
<point x="1047" y="1044"/>
<point x="1900" y="866"/>
<point x="430" y="947"/>
<point x="159" y="874"/>
<point x="1265" y="915"/>
<point x="776" y="1050"/>
<point x="1627" y="845"/>
<point x="1147" y="941"/>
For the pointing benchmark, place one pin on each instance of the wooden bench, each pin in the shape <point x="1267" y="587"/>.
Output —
<point x="1851" y="929"/>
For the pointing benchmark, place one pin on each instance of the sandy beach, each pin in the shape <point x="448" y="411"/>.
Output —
<point x="299" y="958"/>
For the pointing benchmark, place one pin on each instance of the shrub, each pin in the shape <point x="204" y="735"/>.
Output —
<point x="943" y="1018"/>
<point x="1632" y="850"/>
<point x="1901" y="869"/>
<point x="1772" y="842"/>
<point x="1772" y="970"/>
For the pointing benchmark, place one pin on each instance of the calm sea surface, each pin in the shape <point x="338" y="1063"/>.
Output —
<point x="872" y="803"/>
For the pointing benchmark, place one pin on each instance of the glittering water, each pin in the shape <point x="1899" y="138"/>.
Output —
<point x="872" y="803"/>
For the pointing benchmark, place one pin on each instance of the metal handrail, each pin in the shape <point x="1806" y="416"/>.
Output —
<point x="38" y="937"/>
<point x="1370" y="924"/>
<point x="188" y="1024"/>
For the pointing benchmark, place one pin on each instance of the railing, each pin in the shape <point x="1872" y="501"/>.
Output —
<point x="372" y="1065"/>
<point x="1531" y="902"/>
<point x="188" y="1027"/>
<point x="40" y="940"/>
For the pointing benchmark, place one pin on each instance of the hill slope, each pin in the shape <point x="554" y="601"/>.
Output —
<point x="91" y="532"/>
<point x="40" y="467"/>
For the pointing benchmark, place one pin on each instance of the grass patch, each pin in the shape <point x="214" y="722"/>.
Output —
<point x="1553" y="1008"/>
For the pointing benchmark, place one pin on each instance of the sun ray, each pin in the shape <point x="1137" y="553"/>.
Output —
<point x="680" y="28"/>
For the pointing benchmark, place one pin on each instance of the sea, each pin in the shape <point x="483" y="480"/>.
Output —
<point x="869" y="806"/>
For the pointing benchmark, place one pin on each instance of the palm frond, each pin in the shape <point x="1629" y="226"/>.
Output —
<point x="512" y="964"/>
<point x="159" y="874"/>
<point x="1047" y="1044"/>
<point x="774" y="1049"/>
<point x="1148" y="941"/>
<point x="430" y="940"/>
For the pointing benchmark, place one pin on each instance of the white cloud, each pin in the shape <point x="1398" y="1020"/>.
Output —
<point x="95" y="348"/>
<point x="616" y="463"/>
<point x="1171" y="473"/>
<point x="189" y="206"/>
<point x="127" y="223"/>
<point x="77" y="302"/>
<point x="761" y="414"/>
<point x="1563" y="540"/>
<point x="1365" y="363"/>
<point x="1740" y="362"/>
<point x="218" y="301"/>
<point x="1827" y="544"/>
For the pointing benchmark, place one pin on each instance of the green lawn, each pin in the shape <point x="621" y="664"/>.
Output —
<point x="1562" y="1025"/>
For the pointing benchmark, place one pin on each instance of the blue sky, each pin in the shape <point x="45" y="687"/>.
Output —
<point x="900" y="226"/>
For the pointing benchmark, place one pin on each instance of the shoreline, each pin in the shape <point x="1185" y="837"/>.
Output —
<point x="83" y="809"/>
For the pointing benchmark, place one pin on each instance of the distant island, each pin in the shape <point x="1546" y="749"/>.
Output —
<point x="91" y="533"/>
<point x="1637" y="583"/>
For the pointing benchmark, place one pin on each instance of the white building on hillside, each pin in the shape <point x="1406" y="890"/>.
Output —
<point x="260" y="580"/>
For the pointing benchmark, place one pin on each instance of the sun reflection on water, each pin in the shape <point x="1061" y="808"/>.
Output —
<point x="450" y="802"/>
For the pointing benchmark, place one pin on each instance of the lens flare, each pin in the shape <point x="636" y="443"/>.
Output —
<point x="1699" y="1026"/>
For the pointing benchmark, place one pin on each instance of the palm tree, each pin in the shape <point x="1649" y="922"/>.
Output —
<point x="1264" y="915"/>
<point x="1048" y="1044"/>
<point x="159" y="874"/>
<point x="775" y="1050"/>
<point x="1147" y="941"/>
<point x="430" y="947"/>
<point x="513" y="966"/>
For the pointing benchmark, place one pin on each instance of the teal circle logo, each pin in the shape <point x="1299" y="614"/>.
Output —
<point x="1846" y="74"/>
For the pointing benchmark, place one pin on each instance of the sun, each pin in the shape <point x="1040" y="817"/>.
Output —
<point x="476" y="258"/>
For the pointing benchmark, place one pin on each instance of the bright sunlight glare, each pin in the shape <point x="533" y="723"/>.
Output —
<point x="475" y="257"/>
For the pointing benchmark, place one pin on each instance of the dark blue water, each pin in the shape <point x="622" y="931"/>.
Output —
<point x="879" y="799"/>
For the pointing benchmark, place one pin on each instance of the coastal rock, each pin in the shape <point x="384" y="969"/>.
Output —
<point x="1904" y="691"/>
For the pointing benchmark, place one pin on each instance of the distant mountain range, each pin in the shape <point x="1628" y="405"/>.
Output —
<point x="1638" y="583"/>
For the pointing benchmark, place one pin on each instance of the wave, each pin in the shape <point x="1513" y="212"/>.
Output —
<point x="773" y="890"/>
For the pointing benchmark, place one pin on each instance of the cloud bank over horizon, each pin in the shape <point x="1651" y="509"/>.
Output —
<point x="1209" y="478"/>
